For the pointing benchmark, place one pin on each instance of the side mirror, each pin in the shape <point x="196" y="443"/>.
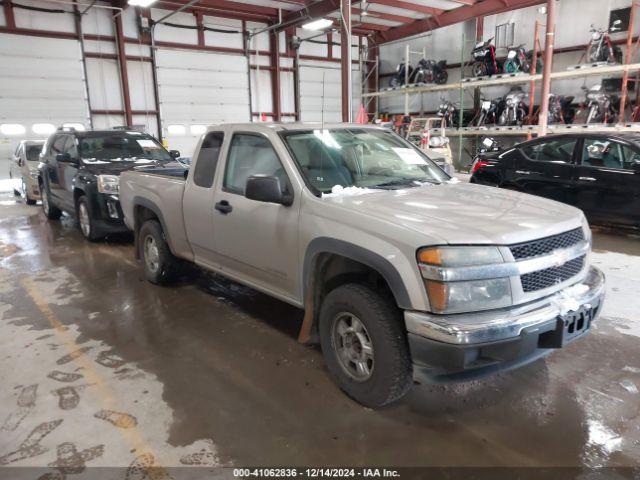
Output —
<point x="266" y="188"/>
<point x="65" y="158"/>
<point x="174" y="153"/>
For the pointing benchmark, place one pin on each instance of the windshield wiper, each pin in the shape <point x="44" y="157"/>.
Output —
<point x="413" y="182"/>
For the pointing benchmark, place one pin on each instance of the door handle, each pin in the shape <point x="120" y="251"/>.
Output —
<point x="223" y="207"/>
<point x="523" y="172"/>
<point x="587" y="179"/>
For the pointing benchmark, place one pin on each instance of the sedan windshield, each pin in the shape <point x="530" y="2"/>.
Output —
<point x="367" y="158"/>
<point x="120" y="147"/>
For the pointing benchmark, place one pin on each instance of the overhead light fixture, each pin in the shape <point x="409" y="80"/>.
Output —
<point x="141" y="3"/>
<point x="319" y="24"/>
<point x="542" y="10"/>
<point x="364" y="8"/>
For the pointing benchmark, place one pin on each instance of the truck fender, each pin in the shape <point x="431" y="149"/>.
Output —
<point x="146" y="203"/>
<point x="354" y="252"/>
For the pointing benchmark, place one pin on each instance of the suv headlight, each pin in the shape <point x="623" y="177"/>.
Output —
<point x="108" y="184"/>
<point x="441" y="266"/>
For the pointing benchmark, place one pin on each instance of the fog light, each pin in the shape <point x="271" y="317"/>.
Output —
<point x="112" y="209"/>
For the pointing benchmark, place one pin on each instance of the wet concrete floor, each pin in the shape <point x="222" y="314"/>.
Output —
<point x="100" y="368"/>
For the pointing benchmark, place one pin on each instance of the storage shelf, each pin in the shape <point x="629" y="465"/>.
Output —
<point x="506" y="79"/>
<point x="552" y="129"/>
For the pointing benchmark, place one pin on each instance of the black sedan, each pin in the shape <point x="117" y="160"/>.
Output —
<point x="598" y="173"/>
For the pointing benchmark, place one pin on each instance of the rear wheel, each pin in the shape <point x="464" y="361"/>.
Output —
<point x="364" y="345"/>
<point x="28" y="199"/>
<point x="50" y="211"/>
<point x="159" y="264"/>
<point x="479" y="69"/>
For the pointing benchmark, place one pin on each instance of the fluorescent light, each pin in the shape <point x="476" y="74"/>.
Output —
<point x="141" y="3"/>
<point x="12" y="129"/>
<point x="43" y="128"/>
<point x="319" y="24"/>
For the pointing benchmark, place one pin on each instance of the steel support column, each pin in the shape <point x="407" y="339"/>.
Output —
<point x="274" y="47"/>
<point x="124" y="76"/>
<point x="345" y="58"/>
<point x="543" y="121"/>
<point x="8" y="14"/>
<point x="627" y="61"/>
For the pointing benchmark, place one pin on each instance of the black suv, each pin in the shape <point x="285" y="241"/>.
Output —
<point x="79" y="174"/>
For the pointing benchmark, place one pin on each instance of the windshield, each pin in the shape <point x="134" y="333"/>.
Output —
<point x="365" y="158"/>
<point x="119" y="147"/>
<point x="33" y="153"/>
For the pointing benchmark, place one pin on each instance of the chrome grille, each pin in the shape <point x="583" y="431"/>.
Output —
<point x="542" y="279"/>
<point x="547" y="245"/>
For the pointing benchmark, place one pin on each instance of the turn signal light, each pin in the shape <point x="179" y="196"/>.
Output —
<point x="430" y="256"/>
<point x="438" y="295"/>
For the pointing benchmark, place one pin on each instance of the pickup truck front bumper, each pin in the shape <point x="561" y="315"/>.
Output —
<point x="465" y="346"/>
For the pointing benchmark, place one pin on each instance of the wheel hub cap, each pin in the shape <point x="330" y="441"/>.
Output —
<point x="353" y="345"/>
<point x="151" y="254"/>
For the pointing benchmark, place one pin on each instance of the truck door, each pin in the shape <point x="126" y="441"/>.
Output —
<point x="256" y="242"/>
<point x="53" y="168"/>
<point x="198" y="199"/>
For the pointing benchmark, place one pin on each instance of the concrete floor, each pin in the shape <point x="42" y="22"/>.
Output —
<point x="100" y="368"/>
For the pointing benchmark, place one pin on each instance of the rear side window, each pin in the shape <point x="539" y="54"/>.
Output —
<point x="208" y="159"/>
<point x="58" y="145"/>
<point x="556" y="151"/>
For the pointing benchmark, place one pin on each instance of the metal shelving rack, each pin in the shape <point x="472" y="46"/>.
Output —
<point x="522" y="78"/>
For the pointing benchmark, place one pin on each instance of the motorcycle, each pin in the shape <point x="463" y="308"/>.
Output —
<point x="515" y="108"/>
<point x="560" y="109"/>
<point x="601" y="48"/>
<point x="449" y="113"/>
<point x="399" y="77"/>
<point x="487" y="146"/>
<point x="429" y="71"/>
<point x="485" y="60"/>
<point x="489" y="112"/>
<point x="518" y="60"/>
<point x="599" y="105"/>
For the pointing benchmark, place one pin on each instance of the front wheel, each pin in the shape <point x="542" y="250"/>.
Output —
<point x="364" y="345"/>
<point x="511" y="66"/>
<point x="159" y="264"/>
<point x="85" y="220"/>
<point x="479" y="69"/>
<point x="442" y="77"/>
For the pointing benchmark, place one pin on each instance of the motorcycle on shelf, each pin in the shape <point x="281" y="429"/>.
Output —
<point x="599" y="105"/>
<point x="485" y="60"/>
<point x="601" y="48"/>
<point x="515" y="109"/>
<point x="489" y="112"/>
<point x="519" y="60"/>
<point x="561" y="110"/>
<point x="429" y="71"/>
<point x="399" y="77"/>
<point x="486" y="146"/>
<point x="449" y="113"/>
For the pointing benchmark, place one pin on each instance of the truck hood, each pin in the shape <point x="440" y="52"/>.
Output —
<point x="465" y="213"/>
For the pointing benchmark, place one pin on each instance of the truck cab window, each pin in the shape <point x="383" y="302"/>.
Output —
<point x="251" y="154"/>
<point x="208" y="159"/>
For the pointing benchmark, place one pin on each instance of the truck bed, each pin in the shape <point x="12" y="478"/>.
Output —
<point x="159" y="190"/>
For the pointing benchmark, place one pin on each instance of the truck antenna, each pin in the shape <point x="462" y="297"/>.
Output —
<point x="322" y="106"/>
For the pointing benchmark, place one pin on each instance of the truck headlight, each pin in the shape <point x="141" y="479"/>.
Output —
<point x="108" y="184"/>
<point x="441" y="265"/>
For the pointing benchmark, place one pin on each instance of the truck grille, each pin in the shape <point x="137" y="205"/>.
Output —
<point x="549" y="277"/>
<point x="547" y="245"/>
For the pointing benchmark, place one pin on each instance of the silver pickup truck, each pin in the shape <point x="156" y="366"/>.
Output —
<point x="403" y="273"/>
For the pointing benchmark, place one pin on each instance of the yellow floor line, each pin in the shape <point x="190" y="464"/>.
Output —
<point x="132" y="436"/>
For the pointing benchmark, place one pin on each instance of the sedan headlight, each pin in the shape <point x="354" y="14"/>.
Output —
<point x="443" y="269"/>
<point x="108" y="184"/>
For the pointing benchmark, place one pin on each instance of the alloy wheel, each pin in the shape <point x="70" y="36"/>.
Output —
<point x="353" y="346"/>
<point x="45" y="201"/>
<point x="85" y="221"/>
<point x="151" y="254"/>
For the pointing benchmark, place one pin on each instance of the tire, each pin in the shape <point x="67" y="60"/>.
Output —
<point x="160" y="267"/>
<point x="50" y="211"/>
<point x="388" y="372"/>
<point x="26" y="194"/>
<point x="479" y="69"/>
<point x="86" y="224"/>
<point x="394" y="82"/>
<point x="442" y="77"/>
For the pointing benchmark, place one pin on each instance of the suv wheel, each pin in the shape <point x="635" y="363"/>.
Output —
<point x="50" y="211"/>
<point x="364" y="345"/>
<point x="159" y="264"/>
<point x="85" y="220"/>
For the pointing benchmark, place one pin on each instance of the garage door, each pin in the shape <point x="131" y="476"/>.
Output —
<point x="41" y="83"/>
<point x="311" y="80"/>
<point x="198" y="89"/>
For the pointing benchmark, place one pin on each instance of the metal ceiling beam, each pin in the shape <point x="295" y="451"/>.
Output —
<point x="451" y="17"/>
<point x="414" y="7"/>
<point x="382" y="15"/>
